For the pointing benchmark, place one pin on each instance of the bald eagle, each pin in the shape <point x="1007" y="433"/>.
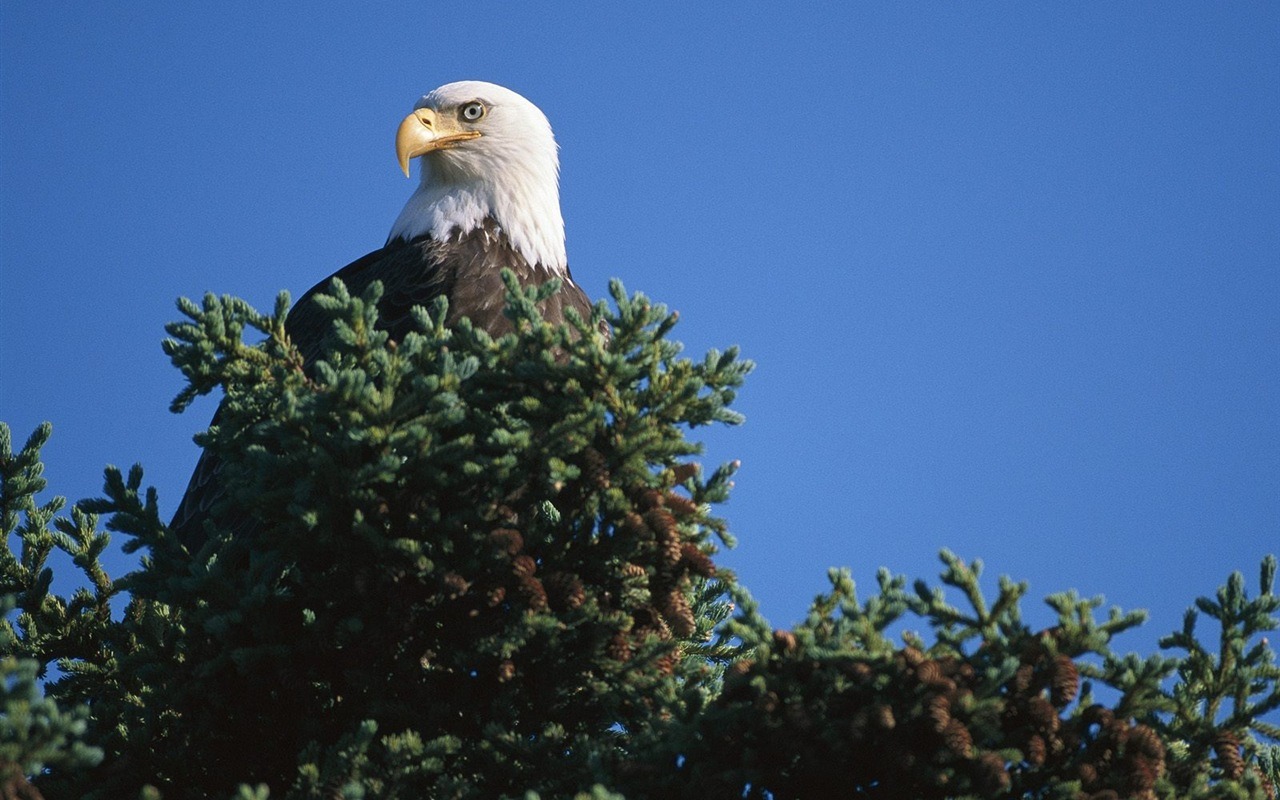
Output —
<point x="488" y="199"/>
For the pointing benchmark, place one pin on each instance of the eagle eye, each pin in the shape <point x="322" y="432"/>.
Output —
<point x="473" y="111"/>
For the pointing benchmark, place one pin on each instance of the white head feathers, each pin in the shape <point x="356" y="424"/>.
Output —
<point x="510" y="172"/>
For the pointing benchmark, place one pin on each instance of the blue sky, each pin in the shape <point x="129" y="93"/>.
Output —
<point x="1009" y="271"/>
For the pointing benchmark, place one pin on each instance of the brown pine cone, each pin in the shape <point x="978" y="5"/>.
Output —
<point x="1022" y="679"/>
<point x="992" y="774"/>
<point x="958" y="738"/>
<point x="681" y="504"/>
<point x="633" y="524"/>
<point x="595" y="471"/>
<point x="652" y="498"/>
<point x="564" y="591"/>
<point x="524" y="566"/>
<point x="668" y="535"/>
<point x="929" y="673"/>
<point x="784" y="641"/>
<point x="1042" y="714"/>
<point x="913" y="656"/>
<point x="883" y="716"/>
<point x="534" y="594"/>
<point x="1144" y="741"/>
<point x="618" y="649"/>
<point x="455" y="585"/>
<point x="938" y="709"/>
<point x="1064" y="681"/>
<point x="696" y="561"/>
<point x="1036" y="750"/>
<point x="684" y="472"/>
<point x="675" y="608"/>
<point x="666" y="664"/>
<point x="1227" y="749"/>
<point x="506" y="540"/>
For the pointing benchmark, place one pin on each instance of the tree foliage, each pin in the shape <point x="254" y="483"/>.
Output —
<point x="460" y="566"/>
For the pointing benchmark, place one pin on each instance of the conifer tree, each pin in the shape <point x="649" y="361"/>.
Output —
<point x="454" y="566"/>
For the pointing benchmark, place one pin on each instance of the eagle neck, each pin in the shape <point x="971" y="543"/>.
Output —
<point x="528" y="216"/>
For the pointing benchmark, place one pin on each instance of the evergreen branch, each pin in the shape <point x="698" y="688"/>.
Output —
<point x="466" y="566"/>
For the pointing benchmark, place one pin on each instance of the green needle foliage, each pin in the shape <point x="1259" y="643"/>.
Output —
<point x="984" y="707"/>
<point x="35" y="733"/>
<point x="454" y="566"/>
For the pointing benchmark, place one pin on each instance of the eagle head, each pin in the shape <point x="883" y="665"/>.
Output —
<point x="485" y="153"/>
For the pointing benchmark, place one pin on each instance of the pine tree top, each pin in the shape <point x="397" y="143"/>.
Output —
<point x="460" y="566"/>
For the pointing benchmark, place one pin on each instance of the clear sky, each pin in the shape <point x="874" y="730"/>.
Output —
<point x="1011" y="272"/>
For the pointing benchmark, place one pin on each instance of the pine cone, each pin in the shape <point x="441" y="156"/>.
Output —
<point x="883" y="716"/>
<point x="1227" y="748"/>
<point x="618" y="649"/>
<point x="564" y="591"/>
<point x="1036" y="750"/>
<point x="938" y="710"/>
<point x="524" y="566"/>
<point x="992" y="774"/>
<point x="534" y="594"/>
<point x="454" y="585"/>
<point x="667" y="533"/>
<point x="681" y="504"/>
<point x="958" y="738"/>
<point x="506" y="540"/>
<point x="595" y="470"/>
<point x="684" y="472"/>
<point x="1043" y="716"/>
<point x="666" y="664"/>
<point x="929" y="673"/>
<point x="1144" y="741"/>
<point x="860" y="671"/>
<point x="675" y="608"/>
<point x="1022" y="679"/>
<point x="1088" y="775"/>
<point x="1064" y="681"/>
<point x="784" y="641"/>
<point x="696" y="561"/>
<point x="661" y="522"/>
<point x="506" y="671"/>
<point x="651" y="498"/>
<point x="633" y="524"/>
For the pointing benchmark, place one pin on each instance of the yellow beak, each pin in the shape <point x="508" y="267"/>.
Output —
<point x="424" y="131"/>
